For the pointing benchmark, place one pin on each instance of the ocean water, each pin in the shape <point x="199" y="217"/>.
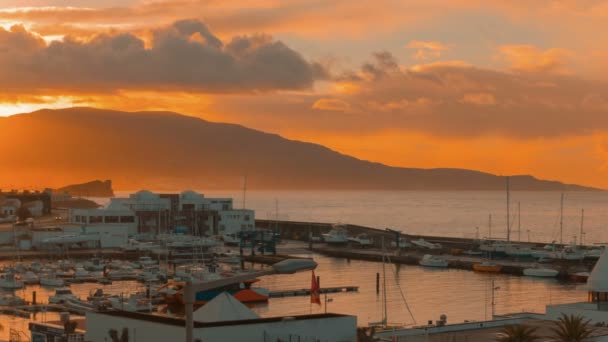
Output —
<point x="455" y="214"/>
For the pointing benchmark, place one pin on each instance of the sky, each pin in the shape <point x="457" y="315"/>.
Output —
<point x="507" y="87"/>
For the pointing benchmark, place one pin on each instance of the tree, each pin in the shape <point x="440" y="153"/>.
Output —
<point x="517" y="333"/>
<point x="124" y="337"/>
<point x="571" y="328"/>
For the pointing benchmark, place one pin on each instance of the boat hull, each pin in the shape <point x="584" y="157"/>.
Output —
<point x="487" y="268"/>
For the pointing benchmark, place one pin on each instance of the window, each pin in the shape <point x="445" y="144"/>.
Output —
<point x="225" y="207"/>
<point x="95" y="219"/>
<point x="112" y="219"/>
<point x="246" y="217"/>
<point x="127" y="219"/>
<point x="77" y="218"/>
<point x="188" y="207"/>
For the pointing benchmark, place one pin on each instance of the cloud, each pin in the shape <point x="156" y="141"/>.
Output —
<point x="530" y="58"/>
<point x="427" y="49"/>
<point x="482" y="99"/>
<point x="181" y="56"/>
<point x="331" y="105"/>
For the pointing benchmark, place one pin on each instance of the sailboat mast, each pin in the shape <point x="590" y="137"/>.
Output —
<point x="244" y="192"/>
<point x="561" y="220"/>
<point x="490" y="226"/>
<point x="519" y="221"/>
<point x="580" y="239"/>
<point x="508" y="213"/>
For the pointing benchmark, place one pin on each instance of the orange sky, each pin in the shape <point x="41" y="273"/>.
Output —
<point x="508" y="87"/>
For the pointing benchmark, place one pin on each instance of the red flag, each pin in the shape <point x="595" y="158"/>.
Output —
<point x="315" y="294"/>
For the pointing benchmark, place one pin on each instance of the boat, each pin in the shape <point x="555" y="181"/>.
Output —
<point x="540" y="272"/>
<point x="579" y="277"/>
<point x="487" y="266"/>
<point x="10" y="299"/>
<point x="593" y="253"/>
<point x="494" y="247"/>
<point x="518" y="250"/>
<point x="362" y="240"/>
<point x="62" y="295"/>
<point x="30" y="278"/>
<point x="433" y="261"/>
<point x="123" y="273"/>
<point x="81" y="274"/>
<point x="9" y="282"/>
<point x="426" y="244"/>
<point x="146" y="261"/>
<point x="471" y="252"/>
<point x="49" y="279"/>
<point x="402" y="243"/>
<point x="134" y="303"/>
<point x="336" y="236"/>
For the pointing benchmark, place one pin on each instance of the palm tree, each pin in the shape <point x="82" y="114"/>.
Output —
<point x="571" y="328"/>
<point x="517" y="333"/>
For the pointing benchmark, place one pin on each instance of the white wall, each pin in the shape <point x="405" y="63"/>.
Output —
<point x="335" y="329"/>
<point x="232" y="221"/>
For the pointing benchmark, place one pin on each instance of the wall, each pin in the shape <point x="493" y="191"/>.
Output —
<point x="334" y="329"/>
<point x="233" y="221"/>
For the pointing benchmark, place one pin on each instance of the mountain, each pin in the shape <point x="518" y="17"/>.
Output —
<point x="164" y="150"/>
<point x="94" y="188"/>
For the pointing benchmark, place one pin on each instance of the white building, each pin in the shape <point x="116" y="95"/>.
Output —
<point x="232" y="221"/>
<point x="241" y="326"/>
<point x="9" y="207"/>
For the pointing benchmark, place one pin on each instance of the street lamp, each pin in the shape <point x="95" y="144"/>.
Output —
<point x="287" y="266"/>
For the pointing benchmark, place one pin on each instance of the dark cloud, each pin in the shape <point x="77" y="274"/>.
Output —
<point x="184" y="56"/>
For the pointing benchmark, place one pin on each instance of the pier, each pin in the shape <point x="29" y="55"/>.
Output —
<point x="306" y="292"/>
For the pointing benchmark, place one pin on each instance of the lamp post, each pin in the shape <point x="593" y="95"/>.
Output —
<point x="287" y="266"/>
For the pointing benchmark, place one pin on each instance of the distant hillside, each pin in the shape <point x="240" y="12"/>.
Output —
<point x="163" y="150"/>
<point x="94" y="188"/>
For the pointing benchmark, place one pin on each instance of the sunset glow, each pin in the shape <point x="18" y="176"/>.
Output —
<point x="455" y="84"/>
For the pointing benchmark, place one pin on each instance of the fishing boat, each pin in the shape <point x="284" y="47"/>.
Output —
<point x="541" y="272"/>
<point x="487" y="266"/>
<point x="336" y="236"/>
<point x="433" y="261"/>
<point x="426" y="244"/>
<point x="362" y="240"/>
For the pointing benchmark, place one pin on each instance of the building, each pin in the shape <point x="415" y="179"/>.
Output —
<point x="317" y="328"/>
<point x="26" y="197"/>
<point x="148" y="213"/>
<point x="596" y="306"/>
<point x="56" y="330"/>
<point x="9" y="206"/>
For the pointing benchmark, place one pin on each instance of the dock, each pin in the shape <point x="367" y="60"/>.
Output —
<point x="306" y="292"/>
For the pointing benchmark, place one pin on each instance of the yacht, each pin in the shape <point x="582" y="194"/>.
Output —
<point x="62" y="295"/>
<point x="336" y="236"/>
<point x="426" y="244"/>
<point x="433" y="261"/>
<point x="541" y="272"/>
<point x="362" y="240"/>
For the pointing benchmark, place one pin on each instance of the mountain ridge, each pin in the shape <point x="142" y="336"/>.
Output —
<point x="164" y="149"/>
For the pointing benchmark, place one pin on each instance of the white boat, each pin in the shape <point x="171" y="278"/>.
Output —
<point x="30" y="278"/>
<point x="518" y="250"/>
<point x="81" y="273"/>
<point x="362" y="239"/>
<point x="568" y="253"/>
<point x="93" y="264"/>
<point x="9" y="282"/>
<point x="494" y="247"/>
<point x="593" y="253"/>
<point x="62" y="295"/>
<point x="146" y="261"/>
<point x="49" y="279"/>
<point x="541" y="272"/>
<point x="426" y="244"/>
<point x="229" y="257"/>
<point x="402" y="243"/>
<point x="433" y="261"/>
<point x="336" y="236"/>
